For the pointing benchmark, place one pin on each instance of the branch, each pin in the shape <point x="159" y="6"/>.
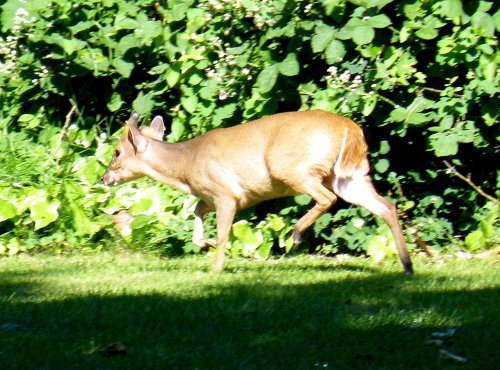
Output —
<point x="453" y="171"/>
<point x="420" y="243"/>
<point x="439" y="91"/>
<point x="64" y="131"/>
<point x="67" y="122"/>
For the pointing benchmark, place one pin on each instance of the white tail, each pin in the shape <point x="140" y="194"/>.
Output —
<point x="316" y="153"/>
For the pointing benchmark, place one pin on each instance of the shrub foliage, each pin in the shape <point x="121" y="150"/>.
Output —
<point x="421" y="77"/>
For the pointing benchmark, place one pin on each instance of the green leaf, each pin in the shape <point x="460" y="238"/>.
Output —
<point x="144" y="103"/>
<point x="362" y="35"/>
<point x="178" y="12"/>
<point x="427" y="33"/>
<point x="150" y="30"/>
<point x="444" y="144"/>
<point x="126" y="23"/>
<point x="115" y="102"/>
<point x="44" y="213"/>
<point x="126" y="43"/>
<point x="68" y="45"/>
<point x="496" y="20"/>
<point x="72" y="45"/>
<point x="413" y="114"/>
<point x="323" y="36"/>
<point x="177" y="129"/>
<point x="484" y="22"/>
<point x="223" y="113"/>
<point x="322" y="223"/>
<point x="172" y="75"/>
<point x="122" y="67"/>
<point x="487" y="228"/>
<point x="369" y="105"/>
<point x="289" y="66"/>
<point x="190" y="103"/>
<point x="142" y="220"/>
<point x="29" y="121"/>
<point x="371" y="3"/>
<point x="81" y="26"/>
<point x="385" y="147"/>
<point x="142" y="206"/>
<point x="26" y="117"/>
<point x="451" y="9"/>
<point x="267" y="78"/>
<point x="93" y="60"/>
<point x="379" y="21"/>
<point x="475" y="240"/>
<point x="249" y="239"/>
<point x="382" y="165"/>
<point x="378" y="248"/>
<point x="264" y="250"/>
<point x="275" y="223"/>
<point x="446" y="123"/>
<point x="7" y="210"/>
<point x="196" y="19"/>
<point x="335" y="52"/>
<point x="302" y="200"/>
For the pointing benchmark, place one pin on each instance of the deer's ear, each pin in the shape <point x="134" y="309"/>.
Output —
<point x="134" y="118"/>
<point x="135" y="138"/>
<point x="157" y="128"/>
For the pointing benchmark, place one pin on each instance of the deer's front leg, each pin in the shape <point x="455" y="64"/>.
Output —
<point x="225" y="210"/>
<point x="198" y="235"/>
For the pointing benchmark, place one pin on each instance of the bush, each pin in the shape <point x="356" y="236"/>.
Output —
<point x="420" y="77"/>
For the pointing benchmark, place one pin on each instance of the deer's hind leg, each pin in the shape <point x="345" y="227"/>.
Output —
<point x="359" y="190"/>
<point x="324" y="199"/>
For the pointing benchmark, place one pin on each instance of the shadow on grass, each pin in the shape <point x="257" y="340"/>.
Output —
<point x="374" y="322"/>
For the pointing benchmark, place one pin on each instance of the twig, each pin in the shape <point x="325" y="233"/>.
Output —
<point x="420" y="243"/>
<point x="387" y="100"/>
<point x="64" y="131"/>
<point x="447" y="354"/>
<point x="439" y="91"/>
<point x="453" y="171"/>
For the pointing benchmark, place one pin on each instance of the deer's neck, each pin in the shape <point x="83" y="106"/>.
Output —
<point x="168" y="163"/>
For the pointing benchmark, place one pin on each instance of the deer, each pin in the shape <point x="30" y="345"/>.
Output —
<point x="320" y="154"/>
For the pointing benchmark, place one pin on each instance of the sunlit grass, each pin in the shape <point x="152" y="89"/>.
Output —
<point x="293" y="313"/>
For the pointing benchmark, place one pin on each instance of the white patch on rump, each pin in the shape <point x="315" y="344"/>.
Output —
<point x="320" y="146"/>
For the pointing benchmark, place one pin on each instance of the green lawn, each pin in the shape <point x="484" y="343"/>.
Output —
<point x="293" y="313"/>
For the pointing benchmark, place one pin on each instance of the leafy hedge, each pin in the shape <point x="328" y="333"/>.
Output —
<point x="421" y="77"/>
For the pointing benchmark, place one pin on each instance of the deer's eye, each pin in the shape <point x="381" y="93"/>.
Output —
<point x="117" y="153"/>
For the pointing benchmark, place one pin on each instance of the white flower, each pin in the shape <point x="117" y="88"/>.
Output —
<point x="358" y="222"/>
<point x="345" y="76"/>
<point x="332" y="70"/>
<point x="245" y="71"/>
<point x="223" y="95"/>
<point x="21" y="12"/>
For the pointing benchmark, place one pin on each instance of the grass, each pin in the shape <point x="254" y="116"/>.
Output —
<point x="293" y="313"/>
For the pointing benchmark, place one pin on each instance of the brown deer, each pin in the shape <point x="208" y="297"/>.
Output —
<point x="316" y="153"/>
